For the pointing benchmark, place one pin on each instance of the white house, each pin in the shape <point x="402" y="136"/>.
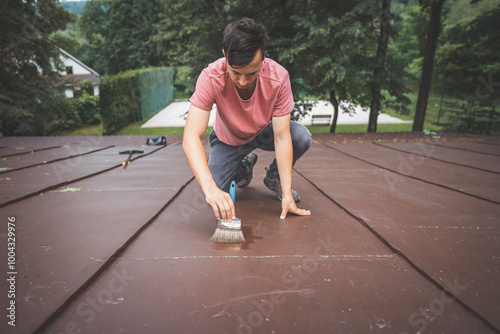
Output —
<point x="77" y="70"/>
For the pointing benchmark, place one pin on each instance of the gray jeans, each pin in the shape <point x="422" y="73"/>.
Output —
<point x="226" y="162"/>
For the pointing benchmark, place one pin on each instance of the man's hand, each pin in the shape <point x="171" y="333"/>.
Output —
<point x="288" y="205"/>
<point x="221" y="203"/>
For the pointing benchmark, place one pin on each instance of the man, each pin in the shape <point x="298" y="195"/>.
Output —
<point x="254" y="101"/>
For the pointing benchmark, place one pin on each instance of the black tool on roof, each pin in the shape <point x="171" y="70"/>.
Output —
<point x="130" y="151"/>
<point x="162" y="140"/>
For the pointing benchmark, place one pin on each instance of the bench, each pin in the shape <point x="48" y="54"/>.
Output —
<point x="321" y="119"/>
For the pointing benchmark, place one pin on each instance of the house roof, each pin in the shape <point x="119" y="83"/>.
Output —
<point x="68" y="55"/>
<point x="403" y="237"/>
<point x="81" y="77"/>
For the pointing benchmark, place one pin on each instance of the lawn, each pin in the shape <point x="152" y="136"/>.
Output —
<point x="435" y="108"/>
<point x="360" y="128"/>
<point x="136" y="130"/>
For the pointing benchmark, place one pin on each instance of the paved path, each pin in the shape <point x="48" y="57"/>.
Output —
<point x="175" y="115"/>
<point x="404" y="238"/>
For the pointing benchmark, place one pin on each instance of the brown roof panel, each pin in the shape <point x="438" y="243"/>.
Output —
<point x="385" y="250"/>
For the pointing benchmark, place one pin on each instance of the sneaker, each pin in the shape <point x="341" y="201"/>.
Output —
<point x="251" y="158"/>
<point x="275" y="186"/>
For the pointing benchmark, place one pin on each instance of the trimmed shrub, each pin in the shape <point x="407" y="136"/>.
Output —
<point x="87" y="108"/>
<point x="134" y="95"/>
<point x="71" y="114"/>
<point x="87" y="86"/>
<point x="63" y="116"/>
<point x="119" y="102"/>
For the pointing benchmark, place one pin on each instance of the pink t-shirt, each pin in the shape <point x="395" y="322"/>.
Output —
<point x="239" y="121"/>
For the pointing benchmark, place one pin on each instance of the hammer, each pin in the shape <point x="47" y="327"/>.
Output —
<point x="130" y="151"/>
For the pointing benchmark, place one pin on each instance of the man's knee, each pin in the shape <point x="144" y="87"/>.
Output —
<point x="224" y="173"/>
<point x="220" y="177"/>
<point x="301" y="137"/>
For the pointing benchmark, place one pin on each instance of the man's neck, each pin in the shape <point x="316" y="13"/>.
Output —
<point x="246" y="94"/>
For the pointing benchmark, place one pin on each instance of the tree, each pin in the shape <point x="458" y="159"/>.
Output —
<point x="29" y="64"/>
<point x="333" y="49"/>
<point x="428" y="65"/>
<point x="326" y="46"/>
<point x="131" y="27"/>
<point x="189" y="33"/>
<point x="469" y="69"/>
<point x="116" y="35"/>
<point x="470" y="51"/>
<point x="92" y="35"/>
<point x="378" y="72"/>
<point x="407" y="46"/>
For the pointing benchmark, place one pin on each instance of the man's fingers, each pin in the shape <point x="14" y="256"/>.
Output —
<point x="301" y="212"/>
<point x="222" y="204"/>
<point x="225" y="208"/>
<point x="216" y="210"/>
<point x="283" y="213"/>
<point x="292" y="207"/>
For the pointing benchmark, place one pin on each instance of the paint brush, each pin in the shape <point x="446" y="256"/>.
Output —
<point x="229" y="230"/>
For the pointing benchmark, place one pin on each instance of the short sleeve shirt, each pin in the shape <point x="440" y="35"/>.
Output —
<point x="238" y="121"/>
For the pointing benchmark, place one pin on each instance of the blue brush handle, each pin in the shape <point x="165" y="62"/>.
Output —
<point x="232" y="191"/>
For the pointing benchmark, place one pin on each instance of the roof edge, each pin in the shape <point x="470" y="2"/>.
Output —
<point x="65" y="53"/>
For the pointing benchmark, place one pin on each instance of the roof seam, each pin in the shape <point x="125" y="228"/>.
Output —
<point x="417" y="178"/>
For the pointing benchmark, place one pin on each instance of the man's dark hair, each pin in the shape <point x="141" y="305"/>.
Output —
<point x="241" y="39"/>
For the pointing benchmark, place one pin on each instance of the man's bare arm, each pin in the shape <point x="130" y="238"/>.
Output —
<point x="196" y="125"/>
<point x="284" y="158"/>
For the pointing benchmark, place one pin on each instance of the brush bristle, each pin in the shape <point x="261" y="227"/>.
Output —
<point x="228" y="236"/>
<point x="228" y="231"/>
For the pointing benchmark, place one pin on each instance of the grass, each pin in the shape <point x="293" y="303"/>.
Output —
<point x="433" y="106"/>
<point x="360" y="128"/>
<point x="136" y="130"/>
<point x="93" y="130"/>
<point x="393" y="113"/>
<point x="432" y="113"/>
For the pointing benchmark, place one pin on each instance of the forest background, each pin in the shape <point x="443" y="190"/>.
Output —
<point x="374" y="53"/>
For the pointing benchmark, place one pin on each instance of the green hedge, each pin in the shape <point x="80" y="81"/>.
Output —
<point x="120" y="101"/>
<point x="134" y="95"/>
<point x="87" y="108"/>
